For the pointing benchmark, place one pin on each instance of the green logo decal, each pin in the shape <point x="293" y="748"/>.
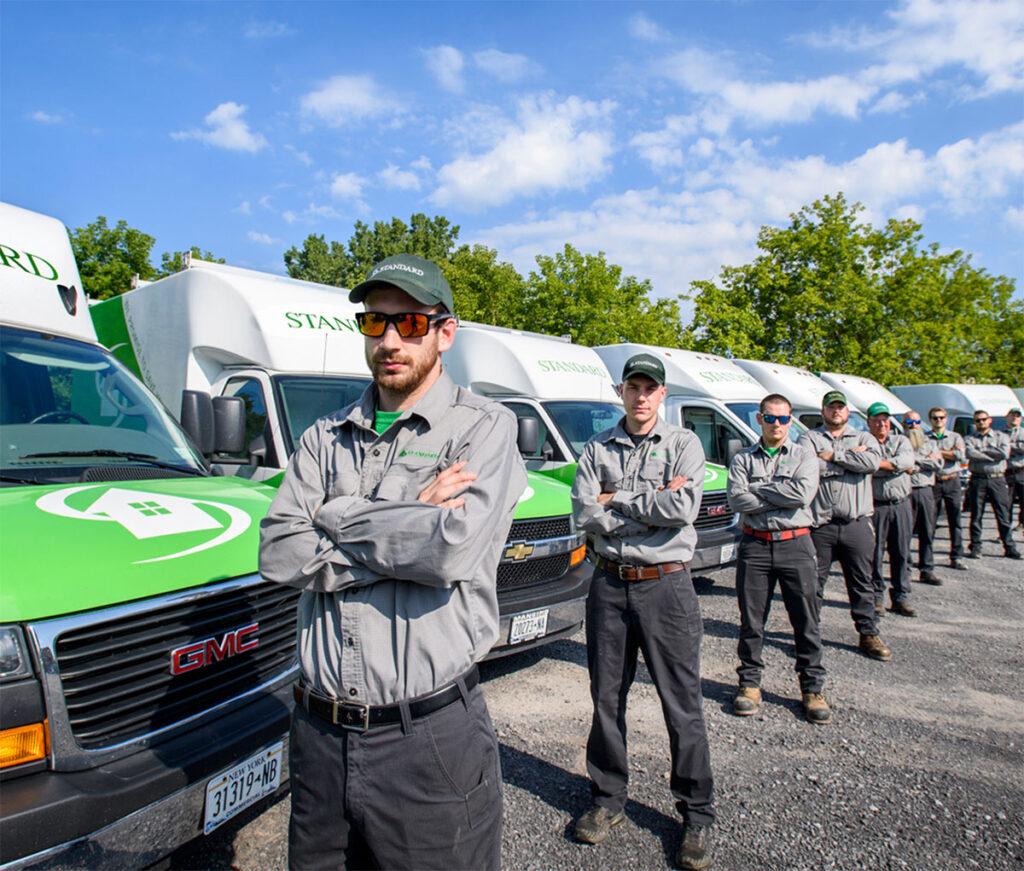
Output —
<point x="567" y="366"/>
<point x="13" y="258"/>
<point x="314" y="321"/>
<point x="426" y="454"/>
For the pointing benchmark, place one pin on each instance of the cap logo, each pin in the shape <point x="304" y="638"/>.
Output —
<point x="399" y="266"/>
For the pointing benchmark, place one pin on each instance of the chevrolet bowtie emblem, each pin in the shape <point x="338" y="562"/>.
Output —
<point x="518" y="551"/>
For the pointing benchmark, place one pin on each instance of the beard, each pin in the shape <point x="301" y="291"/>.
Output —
<point x="404" y="382"/>
<point x="916" y="437"/>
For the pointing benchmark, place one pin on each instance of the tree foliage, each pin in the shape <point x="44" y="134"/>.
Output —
<point x="832" y="293"/>
<point x="171" y="263"/>
<point x="485" y="290"/>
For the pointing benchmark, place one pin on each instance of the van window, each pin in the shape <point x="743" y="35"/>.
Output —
<point x="256" y="420"/>
<point x="714" y="432"/>
<point x="302" y="399"/>
<point x="548" y="448"/>
<point x="580" y="420"/>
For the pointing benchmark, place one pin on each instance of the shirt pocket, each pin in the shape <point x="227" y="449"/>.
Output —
<point x="654" y="472"/>
<point x="405" y="480"/>
<point x="342" y="484"/>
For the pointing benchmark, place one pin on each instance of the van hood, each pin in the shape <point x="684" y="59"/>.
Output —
<point x="543" y="497"/>
<point x="75" y="547"/>
<point x="715" y="477"/>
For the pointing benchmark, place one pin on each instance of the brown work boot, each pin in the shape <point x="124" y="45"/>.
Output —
<point x="596" y="824"/>
<point x="872" y="646"/>
<point x="903" y="609"/>
<point x="695" y="850"/>
<point x="746" y="701"/>
<point x="817" y="709"/>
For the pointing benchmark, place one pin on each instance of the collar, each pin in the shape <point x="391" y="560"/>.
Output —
<point x="431" y="406"/>
<point x="784" y="448"/>
<point x="619" y="432"/>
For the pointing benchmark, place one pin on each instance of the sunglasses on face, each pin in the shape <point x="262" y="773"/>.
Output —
<point x="913" y="422"/>
<point x="410" y="325"/>
<point x="938" y="417"/>
<point x="781" y="418"/>
<point x="981" y="419"/>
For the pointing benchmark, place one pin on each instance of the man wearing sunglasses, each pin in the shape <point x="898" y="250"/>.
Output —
<point x="391" y="519"/>
<point x="1015" y="465"/>
<point x="893" y="515"/>
<point x="948" y="492"/>
<point x="771" y="485"/>
<point x="987" y="453"/>
<point x="927" y="461"/>
<point x="842" y="512"/>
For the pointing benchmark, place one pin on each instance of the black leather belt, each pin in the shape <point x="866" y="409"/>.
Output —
<point x="638" y="573"/>
<point x="360" y="717"/>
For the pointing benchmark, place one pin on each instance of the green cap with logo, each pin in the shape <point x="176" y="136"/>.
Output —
<point x="644" y="364"/>
<point x="1014" y="411"/>
<point x="833" y="396"/>
<point x="877" y="408"/>
<point x="419" y="278"/>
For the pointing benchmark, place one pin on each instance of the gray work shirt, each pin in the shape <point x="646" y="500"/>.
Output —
<point x="925" y="465"/>
<point x="987" y="454"/>
<point x="645" y="524"/>
<point x="773" y="492"/>
<point x="399" y="596"/>
<point x="1016" y="461"/>
<point x="947" y="440"/>
<point x="844" y="482"/>
<point x="893" y="485"/>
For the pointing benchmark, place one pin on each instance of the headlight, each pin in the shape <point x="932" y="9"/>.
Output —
<point x="14" y="661"/>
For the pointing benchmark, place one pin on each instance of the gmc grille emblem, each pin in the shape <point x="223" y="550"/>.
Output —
<point x="211" y="650"/>
<point x="716" y="510"/>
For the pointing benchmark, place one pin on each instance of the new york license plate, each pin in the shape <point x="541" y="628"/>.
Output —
<point x="233" y="791"/>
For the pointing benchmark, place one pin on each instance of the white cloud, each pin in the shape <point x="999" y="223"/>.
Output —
<point x="641" y="27"/>
<point x="422" y="163"/>
<point x="398" y="179"/>
<point x="263" y="238"/>
<point x="506" y="67"/>
<point x="289" y="216"/>
<point x="663" y="148"/>
<point x="46" y="118"/>
<point x="266" y="30"/>
<point x="227" y="130"/>
<point x="300" y="156"/>
<point x="314" y="211"/>
<point x="990" y="167"/>
<point x="264" y="202"/>
<point x="550" y="147"/>
<point x="446" y="63"/>
<point x="892" y="102"/>
<point x="1015" y="217"/>
<point x="244" y="208"/>
<point x="348" y="99"/>
<point x="347" y="186"/>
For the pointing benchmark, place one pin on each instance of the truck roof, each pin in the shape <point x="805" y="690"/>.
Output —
<point x="40" y="287"/>
<point x="862" y="392"/>
<point x="689" y="373"/>
<point x="211" y="316"/>
<point x="500" y="361"/>
<point x="996" y="399"/>
<point x="800" y="386"/>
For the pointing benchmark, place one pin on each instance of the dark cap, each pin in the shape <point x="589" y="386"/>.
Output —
<point x="833" y="396"/>
<point x="419" y="278"/>
<point x="644" y="364"/>
<point x="1014" y="411"/>
<point x="877" y="408"/>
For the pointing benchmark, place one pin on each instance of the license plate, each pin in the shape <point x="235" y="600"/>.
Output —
<point x="233" y="791"/>
<point x="727" y="552"/>
<point x="532" y="624"/>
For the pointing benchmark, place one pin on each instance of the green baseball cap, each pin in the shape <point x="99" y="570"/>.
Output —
<point x="833" y="396"/>
<point x="644" y="364"/>
<point x="877" y="408"/>
<point x="419" y="278"/>
<point x="1014" y="411"/>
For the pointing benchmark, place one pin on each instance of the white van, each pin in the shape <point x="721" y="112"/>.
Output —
<point x="291" y="349"/>
<point x="863" y="392"/>
<point x="961" y="401"/>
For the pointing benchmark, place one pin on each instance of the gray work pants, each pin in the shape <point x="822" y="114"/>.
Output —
<point x="853" y="544"/>
<point x="893" y="523"/>
<point x="425" y="796"/>
<point x="662" y="618"/>
<point x="922" y="504"/>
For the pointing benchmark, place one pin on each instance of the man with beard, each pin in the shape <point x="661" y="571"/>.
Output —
<point x="391" y="518"/>
<point x="987" y="453"/>
<point x="948" y="492"/>
<point x="1015" y="465"/>
<point x="927" y="460"/>
<point x="890" y="489"/>
<point x="841" y="513"/>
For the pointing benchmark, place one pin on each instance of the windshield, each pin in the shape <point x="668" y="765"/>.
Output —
<point x="69" y="411"/>
<point x="304" y="398"/>
<point x="747" y="412"/>
<point x="579" y="420"/>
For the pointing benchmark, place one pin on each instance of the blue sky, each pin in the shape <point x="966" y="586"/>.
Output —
<point x="664" y="134"/>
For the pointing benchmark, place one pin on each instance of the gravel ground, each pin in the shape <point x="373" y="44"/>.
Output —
<point x="921" y="767"/>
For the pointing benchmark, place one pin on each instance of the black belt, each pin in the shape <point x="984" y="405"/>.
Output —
<point x="360" y="717"/>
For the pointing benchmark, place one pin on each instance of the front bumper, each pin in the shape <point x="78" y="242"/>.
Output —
<point x="715" y="548"/>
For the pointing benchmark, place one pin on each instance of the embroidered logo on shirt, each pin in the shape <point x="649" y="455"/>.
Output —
<point x="418" y="454"/>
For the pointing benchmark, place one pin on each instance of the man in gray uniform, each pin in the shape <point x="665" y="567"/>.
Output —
<point x="987" y="453"/>
<point x="637" y="492"/>
<point x="391" y="519"/>
<point x="893" y="517"/>
<point x="841" y="511"/>
<point x="927" y="460"/>
<point x="948" y="492"/>
<point x="771" y="486"/>
<point x="1015" y="465"/>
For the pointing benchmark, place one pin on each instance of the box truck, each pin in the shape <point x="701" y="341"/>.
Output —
<point x="145" y="674"/>
<point x="961" y="401"/>
<point x="292" y="351"/>
<point x="863" y="392"/>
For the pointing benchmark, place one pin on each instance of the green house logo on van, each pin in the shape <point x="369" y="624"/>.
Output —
<point x="144" y="515"/>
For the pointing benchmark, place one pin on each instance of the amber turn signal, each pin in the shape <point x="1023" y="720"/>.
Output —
<point x="24" y="744"/>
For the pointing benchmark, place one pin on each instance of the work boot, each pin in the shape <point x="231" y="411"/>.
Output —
<point x="930" y="578"/>
<point x="903" y="609"/>
<point x="974" y="553"/>
<point x="746" y="701"/>
<point x="695" y="850"/>
<point x="596" y="824"/>
<point x="958" y="564"/>
<point x="1013" y="553"/>
<point x="817" y="709"/>
<point x="879" y="607"/>
<point x="872" y="646"/>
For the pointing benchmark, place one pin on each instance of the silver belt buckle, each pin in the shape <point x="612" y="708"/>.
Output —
<point x="776" y="535"/>
<point x="363" y="710"/>
<point x="622" y="569"/>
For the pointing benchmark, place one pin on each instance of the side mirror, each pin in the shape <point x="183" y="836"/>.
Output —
<point x="528" y="436"/>
<point x="229" y="424"/>
<point x="197" y="419"/>
<point x="258" y="451"/>
<point x="732" y="447"/>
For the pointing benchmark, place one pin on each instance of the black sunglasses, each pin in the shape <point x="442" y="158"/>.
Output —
<point x="410" y="325"/>
<point x="781" y="418"/>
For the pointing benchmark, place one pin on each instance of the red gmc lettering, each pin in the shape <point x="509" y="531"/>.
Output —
<point x="210" y="650"/>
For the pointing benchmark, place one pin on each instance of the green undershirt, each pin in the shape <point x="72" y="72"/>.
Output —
<point x="383" y="419"/>
<point x="770" y="451"/>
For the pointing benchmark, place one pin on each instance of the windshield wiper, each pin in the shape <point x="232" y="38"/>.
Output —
<point x="11" y="479"/>
<point x="105" y="452"/>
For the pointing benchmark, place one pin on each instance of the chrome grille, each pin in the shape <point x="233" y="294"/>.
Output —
<point x="704" y="520"/>
<point x="116" y="674"/>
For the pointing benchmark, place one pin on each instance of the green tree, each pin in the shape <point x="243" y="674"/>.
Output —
<point x="587" y="298"/>
<point x="171" y="263"/>
<point x="346" y="265"/>
<point x="485" y="290"/>
<point x="108" y="257"/>
<point x="832" y="293"/>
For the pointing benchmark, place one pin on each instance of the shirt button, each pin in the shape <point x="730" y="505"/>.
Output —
<point x="376" y="452"/>
<point x="350" y="641"/>
<point x="352" y="691"/>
